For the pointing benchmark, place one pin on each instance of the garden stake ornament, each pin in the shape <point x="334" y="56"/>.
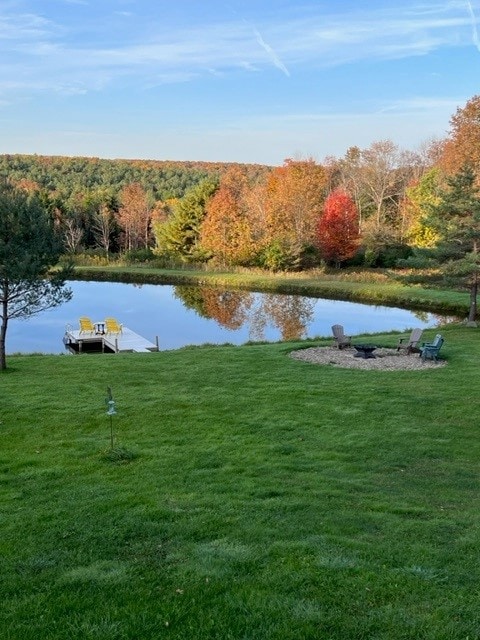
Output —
<point x="110" y="412"/>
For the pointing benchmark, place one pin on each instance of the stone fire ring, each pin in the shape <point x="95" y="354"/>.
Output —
<point x="385" y="359"/>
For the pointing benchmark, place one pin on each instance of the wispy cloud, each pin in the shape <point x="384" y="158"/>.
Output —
<point x="475" y="39"/>
<point x="417" y="104"/>
<point x="407" y="107"/>
<point x="21" y="27"/>
<point x="62" y="52"/>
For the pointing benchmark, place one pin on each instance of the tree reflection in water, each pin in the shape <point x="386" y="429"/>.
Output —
<point x="427" y="316"/>
<point x="229" y="308"/>
<point x="233" y="309"/>
<point x="421" y="315"/>
<point x="290" y="314"/>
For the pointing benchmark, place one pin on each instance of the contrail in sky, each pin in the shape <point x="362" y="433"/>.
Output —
<point x="265" y="46"/>
<point x="476" y="41"/>
<point x="271" y="53"/>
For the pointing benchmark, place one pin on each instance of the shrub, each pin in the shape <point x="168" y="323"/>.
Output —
<point x="138" y="256"/>
<point x="91" y="258"/>
<point x="386" y="256"/>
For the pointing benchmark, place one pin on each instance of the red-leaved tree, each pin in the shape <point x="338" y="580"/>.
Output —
<point x="338" y="232"/>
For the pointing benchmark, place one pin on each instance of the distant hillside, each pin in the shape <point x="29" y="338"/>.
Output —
<point x="67" y="176"/>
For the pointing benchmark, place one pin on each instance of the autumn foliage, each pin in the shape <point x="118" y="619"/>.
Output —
<point x="134" y="216"/>
<point x="338" y="233"/>
<point x="462" y="147"/>
<point x="294" y="199"/>
<point x="227" y="230"/>
<point x="282" y="218"/>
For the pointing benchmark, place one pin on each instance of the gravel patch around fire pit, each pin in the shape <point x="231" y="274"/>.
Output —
<point x="385" y="359"/>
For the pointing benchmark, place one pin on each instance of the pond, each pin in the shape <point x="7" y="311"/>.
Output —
<point x="194" y="315"/>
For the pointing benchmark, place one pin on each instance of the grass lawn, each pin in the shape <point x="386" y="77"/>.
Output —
<point x="267" y="498"/>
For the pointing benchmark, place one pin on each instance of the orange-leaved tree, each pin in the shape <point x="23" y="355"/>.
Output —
<point x="462" y="146"/>
<point x="295" y="194"/>
<point x="226" y="231"/>
<point x="338" y="231"/>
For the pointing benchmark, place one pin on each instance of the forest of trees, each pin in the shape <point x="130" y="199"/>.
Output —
<point x="374" y="206"/>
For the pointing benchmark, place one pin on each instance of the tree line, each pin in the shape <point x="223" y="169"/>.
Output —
<point x="368" y="207"/>
<point x="373" y="206"/>
<point x="287" y="217"/>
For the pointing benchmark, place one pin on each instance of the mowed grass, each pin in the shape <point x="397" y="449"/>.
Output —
<point x="263" y="497"/>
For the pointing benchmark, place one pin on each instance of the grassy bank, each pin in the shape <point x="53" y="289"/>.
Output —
<point x="363" y="286"/>
<point x="266" y="498"/>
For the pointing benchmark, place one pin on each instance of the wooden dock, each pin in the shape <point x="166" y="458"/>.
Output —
<point x="125" y="342"/>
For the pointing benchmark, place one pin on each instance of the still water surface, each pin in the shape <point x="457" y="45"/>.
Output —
<point x="194" y="315"/>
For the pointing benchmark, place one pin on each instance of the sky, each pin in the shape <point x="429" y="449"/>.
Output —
<point x="249" y="81"/>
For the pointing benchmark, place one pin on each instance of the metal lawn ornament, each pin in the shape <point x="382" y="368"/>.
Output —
<point x="111" y="411"/>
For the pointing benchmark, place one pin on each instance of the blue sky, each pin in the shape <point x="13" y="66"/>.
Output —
<point x="236" y="81"/>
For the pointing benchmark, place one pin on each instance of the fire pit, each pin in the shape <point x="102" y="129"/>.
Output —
<point x="364" y="351"/>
